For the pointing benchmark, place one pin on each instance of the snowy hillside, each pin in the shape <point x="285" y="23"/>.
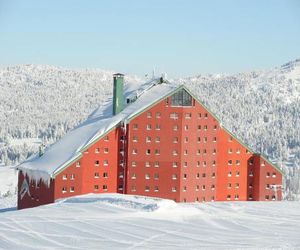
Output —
<point x="132" y="222"/>
<point x="41" y="103"/>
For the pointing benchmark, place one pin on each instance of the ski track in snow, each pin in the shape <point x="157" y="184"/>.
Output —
<point x="113" y="221"/>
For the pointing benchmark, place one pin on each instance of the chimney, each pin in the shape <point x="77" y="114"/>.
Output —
<point x="118" y="97"/>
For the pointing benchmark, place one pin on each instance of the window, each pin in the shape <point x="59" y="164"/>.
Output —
<point x="184" y="188"/>
<point x="204" y="151"/>
<point x="199" y="127"/>
<point x="268" y="186"/>
<point x="149" y="114"/>
<point x="199" y="115"/>
<point x="156" y="164"/>
<point x="175" y="152"/>
<point x="229" y="173"/>
<point x="147" y="176"/>
<point x="268" y="174"/>
<point x="204" y="163"/>
<point x="96" y="175"/>
<point x="214" y="163"/>
<point x="263" y="164"/>
<point x="203" y="175"/>
<point x="229" y="162"/>
<point x="186" y="127"/>
<point x="186" y="139"/>
<point x="237" y="185"/>
<point x="97" y="150"/>
<point x="72" y="177"/>
<point x="157" y="126"/>
<point x="175" y="127"/>
<point x="167" y="102"/>
<point x="214" y="139"/>
<point x="78" y="164"/>
<point x="96" y="187"/>
<point x="205" y="139"/>
<point x="197" y="175"/>
<point x="148" y="139"/>
<point x="250" y="185"/>
<point x="133" y="164"/>
<point x="205" y="116"/>
<point x="147" y="164"/>
<point x="148" y="151"/>
<point x="250" y="197"/>
<point x="203" y="187"/>
<point x="106" y="138"/>
<point x="72" y="189"/>
<point x="185" y="164"/>
<point x="213" y="175"/>
<point x="156" y="189"/>
<point x="157" y="139"/>
<point x="135" y="139"/>
<point x="188" y="115"/>
<point x="175" y="164"/>
<point x="133" y="176"/>
<point x="212" y="187"/>
<point x="238" y="162"/>
<point x="173" y="189"/>
<point x="228" y="197"/>
<point x="237" y="173"/>
<point x="105" y="162"/>
<point x="64" y="177"/>
<point x="105" y="175"/>
<point x="238" y="151"/>
<point x="134" y="151"/>
<point x="105" y="150"/>
<point x="158" y="115"/>
<point x="181" y="98"/>
<point x="133" y="188"/>
<point x="230" y="151"/>
<point x="251" y="173"/>
<point x="185" y="152"/>
<point x="184" y="176"/>
<point x="205" y="127"/>
<point x="198" y="164"/>
<point x="156" y="176"/>
<point x="230" y="139"/>
<point x="214" y="151"/>
<point x="267" y="197"/>
<point x="197" y="188"/>
<point x="104" y="187"/>
<point x="198" y="151"/>
<point x="174" y="116"/>
<point x="157" y="152"/>
<point x="64" y="190"/>
<point x="147" y="189"/>
<point x="97" y="163"/>
<point x="135" y="126"/>
<point x="215" y="127"/>
<point x="175" y="140"/>
<point x="274" y="175"/>
<point x="148" y="127"/>
<point x="198" y="139"/>
<point x="174" y="176"/>
<point x="236" y="197"/>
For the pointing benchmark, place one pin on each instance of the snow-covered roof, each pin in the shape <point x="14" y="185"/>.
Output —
<point x="101" y="121"/>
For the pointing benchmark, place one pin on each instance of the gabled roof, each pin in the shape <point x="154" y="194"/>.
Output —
<point x="100" y="122"/>
<point x="70" y="148"/>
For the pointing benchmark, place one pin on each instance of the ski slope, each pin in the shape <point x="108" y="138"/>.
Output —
<point x="113" y="221"/>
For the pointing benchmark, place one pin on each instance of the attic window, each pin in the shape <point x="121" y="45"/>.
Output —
<point x="181" y="98"/>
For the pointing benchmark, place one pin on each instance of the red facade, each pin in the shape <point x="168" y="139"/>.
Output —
<point x="175" y="152"/>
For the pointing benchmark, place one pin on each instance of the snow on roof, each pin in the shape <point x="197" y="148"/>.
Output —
<point x="101" y="121"/>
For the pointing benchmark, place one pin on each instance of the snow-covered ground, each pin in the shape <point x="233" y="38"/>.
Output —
<point x="111" y="221"/>
<point x="8" y="187"/>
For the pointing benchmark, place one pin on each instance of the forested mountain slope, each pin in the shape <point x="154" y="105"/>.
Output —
<point x="41" y="103"/>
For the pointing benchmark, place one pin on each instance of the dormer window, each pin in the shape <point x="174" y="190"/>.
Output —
<point x="181" y="98"/>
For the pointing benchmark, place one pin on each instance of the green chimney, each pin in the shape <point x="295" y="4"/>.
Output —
<point x="118" y="98"/>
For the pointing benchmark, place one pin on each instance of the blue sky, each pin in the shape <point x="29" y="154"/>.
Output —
<point x="181" y="38"/>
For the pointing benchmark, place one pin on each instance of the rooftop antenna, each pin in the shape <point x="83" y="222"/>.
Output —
<point x="153" y="73"/>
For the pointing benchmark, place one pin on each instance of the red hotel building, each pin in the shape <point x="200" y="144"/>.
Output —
<point x="158" y="141"/>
